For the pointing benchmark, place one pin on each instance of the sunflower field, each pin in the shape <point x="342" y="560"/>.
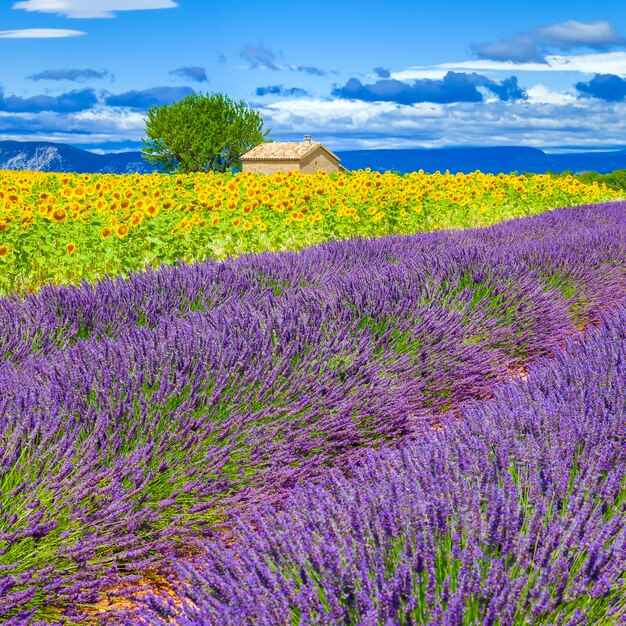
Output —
<point x="63" y="228"/>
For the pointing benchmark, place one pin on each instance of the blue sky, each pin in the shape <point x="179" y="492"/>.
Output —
<point x="353" y="73"/>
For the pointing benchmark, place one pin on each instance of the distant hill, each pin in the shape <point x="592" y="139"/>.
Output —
<point x="56" y="157"/>
<point x="488" y="160"/>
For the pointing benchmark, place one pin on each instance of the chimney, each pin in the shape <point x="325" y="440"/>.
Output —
<point x="307" y="139"/>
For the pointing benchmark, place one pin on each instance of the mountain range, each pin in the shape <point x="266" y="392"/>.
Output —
<point x="43" y="156"/>
<point x="487" y="160"/>
<point x="56" y="157"/>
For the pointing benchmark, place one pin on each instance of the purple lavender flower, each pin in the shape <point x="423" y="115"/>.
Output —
<point x="136" y="416"/>
<point x="469" y="525"/>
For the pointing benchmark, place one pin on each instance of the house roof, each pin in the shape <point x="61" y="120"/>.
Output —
<point x="283" y="151"/>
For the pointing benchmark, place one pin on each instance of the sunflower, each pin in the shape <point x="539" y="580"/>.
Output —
<point x="122" y="230"/>
<point x="59" y="215"/>
<point x="4" y="250"/>
<point x="71" y="248"/>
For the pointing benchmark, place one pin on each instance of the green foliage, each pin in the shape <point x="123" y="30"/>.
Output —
<point x="615" y="180"/>
<point x="201" y="133"/>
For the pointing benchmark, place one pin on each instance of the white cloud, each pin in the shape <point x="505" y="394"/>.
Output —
<point x="533" y="45"/>
<point x="112" y="117"/>
<point x="91" y="8"/>
<point x="594" y="63"/>
<point x="102" y="151"/>
<point x="601" y="63"/>
<point x="324" y="113"/>
<point x="540" y="94"/>
<point x="547" y="119"/>
<point x="433" y="73"/>
<point x="39" y="33"/>
<point x="577" y="33"/>
<point x="100" y="125"/>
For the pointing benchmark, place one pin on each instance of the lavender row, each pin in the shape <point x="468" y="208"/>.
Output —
<point x="516" y="514"/>
<point x="134" y="415"/>
<point x="550" y="247"/>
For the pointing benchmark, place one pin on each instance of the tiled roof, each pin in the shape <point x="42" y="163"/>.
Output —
<point x="282" y="151"/>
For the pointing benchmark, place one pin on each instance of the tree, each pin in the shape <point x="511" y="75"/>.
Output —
<point x="201" y="133"/>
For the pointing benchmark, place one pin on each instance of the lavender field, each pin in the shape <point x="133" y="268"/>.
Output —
<point x="512" y="515"/>
<point x="331" y="436"/>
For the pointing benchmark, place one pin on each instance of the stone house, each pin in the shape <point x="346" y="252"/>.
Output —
<point x="306" y="157"/>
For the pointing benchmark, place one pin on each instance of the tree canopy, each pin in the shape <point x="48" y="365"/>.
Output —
<point x="201" y="133"/>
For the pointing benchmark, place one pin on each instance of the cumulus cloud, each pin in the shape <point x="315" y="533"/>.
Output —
<point x="608" y="87"/>
<point x="354" y="124"/>
<point x="453" y="87"/>
<point x="40" y="33"/>
<point x="156" y="96"/>
<point x="69" y="102"/>
<point x="585" y="123"/>
<point x="280" y="90"/>
<point x="382" y="72"/>
<point x="91" y="8"/>
<point x="197" y="74"/>
<point x="508" y="89"/>
<point x="97" y="126"/>
<point x="389" y="90"/>
<point x="347" y="117"/>
<point x="540" y="94"/>
<point x="73" y="75"/>
<point x="533" y="45"/>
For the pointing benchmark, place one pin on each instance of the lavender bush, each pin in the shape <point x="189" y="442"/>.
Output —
<point x="513" y="515"/>
<point x="135" y="415"/>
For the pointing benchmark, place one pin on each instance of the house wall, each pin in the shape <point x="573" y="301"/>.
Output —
<point x="269" y="167"/>
<point x="318" y="160"/>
